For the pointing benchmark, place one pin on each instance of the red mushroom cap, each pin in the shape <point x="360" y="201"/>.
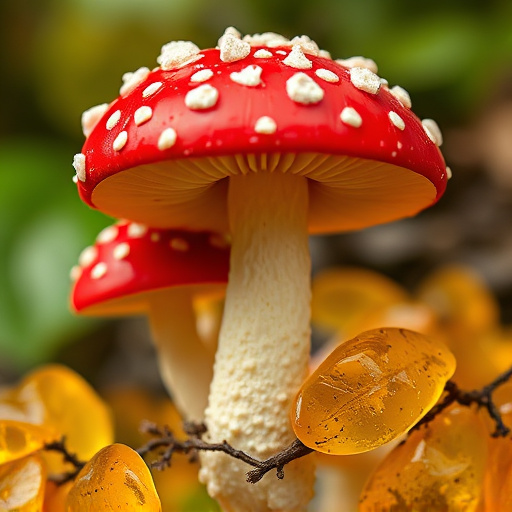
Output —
<point x="161" y="147"/>
<point x="129" y="261"/>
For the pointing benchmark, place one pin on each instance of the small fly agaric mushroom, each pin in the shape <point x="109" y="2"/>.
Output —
<point x="132" y="269"/>
<point x="270" y="139"/>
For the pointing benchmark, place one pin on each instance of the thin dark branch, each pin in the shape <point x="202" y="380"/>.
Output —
<point x="479" y="397"/>
<point x="71" y="458"/>
<point x="295" y="451"/>
<point x="165" y="439"/>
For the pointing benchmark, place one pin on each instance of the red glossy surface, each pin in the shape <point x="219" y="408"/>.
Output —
<point x="156" y="259"/>
<point x="228" y="127"/>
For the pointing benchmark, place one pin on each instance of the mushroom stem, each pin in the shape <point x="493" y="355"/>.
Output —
<point x="186" y="365"/>
<point x="264" y="343"/>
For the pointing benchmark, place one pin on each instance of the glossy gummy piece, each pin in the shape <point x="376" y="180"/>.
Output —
<point x="438" y="468"/>
<point x="60" y="400"/>
<point x="370" y="390"/>
<point x="18" y="439"/>
<point x="116" y="478"/>
<point x="343" y="297"/>
<point x="22" y="485"/>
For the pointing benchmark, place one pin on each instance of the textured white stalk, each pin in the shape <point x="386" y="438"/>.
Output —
<point x="264" y="344"/>
<point x="186" y="365"/>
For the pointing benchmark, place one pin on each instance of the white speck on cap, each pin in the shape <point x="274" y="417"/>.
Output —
<point x="262" y="54"/>
<point x="109" y="234"/>
<point x="142" y="114"/>
<point x="249" y="76"/>
<point x="202" y="75"/>
<point x="327" y="75"/>
<point x="232" y="48"/>
<point x="307" y="44"/>
<point x="401" y="95"/>
<point x="265" y="125"/>
<point x="167" y="139"/>
<point x="396" y="120"/>
<point x="449" y="173"/>
<point x="99" y="270"/>
<point x="132" y="80"/>
<point x="113" y="120"/>
<point x="432" y="130"/>
<point x="75" y="273"/>
<point x="179" y="244"/>
<point x="88" y="256"/>
<point x="120" y="141"/>
<point x="281" y="52"/>
<point x="359" y="62"/>
<point x="136" y="230"/>
<point x="121" y="251"/>
<point x="297" y="59"/>
<point x="364" y="79"/>
<point x="325" y="54"/>
<point x="202" y="97"/>
<point x="350" y="116"/>
<point x="79" y="166"/>
<point x="303" y="89"/>
<point x="91" y="117"/>
<point x="231" y="31"/>
<point x="75" y="179"/>
<point x="269" y="39"/>
<point x="151" y="89"/>
<point x="178" y="53"/>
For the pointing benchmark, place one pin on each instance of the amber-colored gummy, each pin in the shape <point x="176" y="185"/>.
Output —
<point x="439" y="468"/>
<point x="22" y="485"/>
<point x="116" y="478"/>
<point x="498" y="474"/>
<point x="18" y="439"/>
<point x="461" y="300"/>
<point x="343" y="297"/>
<point x="62" y="401"/>
<point x="370" y="390"/>
<point x="55" y="496"/>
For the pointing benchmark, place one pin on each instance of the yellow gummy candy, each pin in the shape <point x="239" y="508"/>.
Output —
<point x="22" y="485"/>
<point x="440" y="467"/>
<point x="18" y="439"/>
<point x="370" y="390"/>
<point x="116" y="478"/>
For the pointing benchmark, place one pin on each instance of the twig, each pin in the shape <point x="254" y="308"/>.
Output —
<point x="71" y="458"/>
<point x="165" y="439"/>
<point x="479" y="397"/>
<point x="295" y="451"/>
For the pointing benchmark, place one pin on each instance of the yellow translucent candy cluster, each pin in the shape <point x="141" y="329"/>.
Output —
<point x="439" y="467"/>
<point x="48" y="404"/>
<point x="451" y="305"/>
<point x="370" y="390"/>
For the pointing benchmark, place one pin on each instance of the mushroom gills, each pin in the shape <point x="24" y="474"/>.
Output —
<point x="345" y="193"/>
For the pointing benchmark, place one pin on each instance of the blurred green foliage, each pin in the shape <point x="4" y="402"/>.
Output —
<point x="59" y="57"/>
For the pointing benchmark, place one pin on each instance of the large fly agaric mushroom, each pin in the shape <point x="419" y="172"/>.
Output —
<point x="132" y="269"/>
<point x="271" y="140"/>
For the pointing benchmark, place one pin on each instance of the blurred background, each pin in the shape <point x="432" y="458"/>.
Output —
<point x="60" y="57"/>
